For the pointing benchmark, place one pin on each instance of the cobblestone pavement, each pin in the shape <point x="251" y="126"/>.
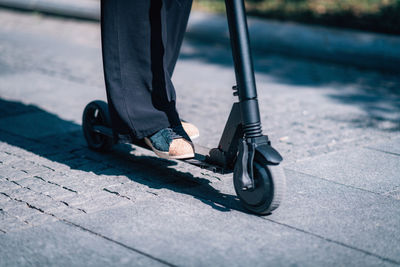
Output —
<point x="62" y="204"/>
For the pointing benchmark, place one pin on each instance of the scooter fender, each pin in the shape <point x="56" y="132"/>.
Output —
<point x="268" y="153"/>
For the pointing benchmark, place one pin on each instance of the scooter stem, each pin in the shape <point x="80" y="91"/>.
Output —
<point x="244" y="71"/>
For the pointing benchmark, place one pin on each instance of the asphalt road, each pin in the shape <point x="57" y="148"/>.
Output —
<point x="62" y="204"/>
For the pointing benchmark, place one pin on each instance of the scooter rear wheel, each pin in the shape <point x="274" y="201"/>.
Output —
<point x="270" y="185"/>
<point x="96" y="114"/>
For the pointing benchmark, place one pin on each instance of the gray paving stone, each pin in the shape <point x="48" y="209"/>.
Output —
<point x="67" y="182"/>
<point x="76" y="186"/>
<point x="38" y="200"/>
<point x="7" y="158"/>
<point x="25" y="214"/>
<point x="133" y="191"/>
<point x="6" y="186"/>
<point x="350" y="216"/>
<point x="40" y="186"/>
<point x="394" y="194"/>
<point x="10" y="223"/>
<point x="54" y="165"/>
<point x="69" y="211"/>
<point x="392" y="146"/>
<point x="63" y="245"/>
<point x="193" y="236"/>
<point x="90" y="203"/>
<point x="362" y="168"/>
<point x="17" y="209"/>
<point x="13" y="174"/>
<point x="15" y="192"/>
<point x="5" y="144"/>
<point x="30" y="168"/>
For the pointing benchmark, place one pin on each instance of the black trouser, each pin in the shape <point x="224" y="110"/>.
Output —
<point x="141" y="40"/>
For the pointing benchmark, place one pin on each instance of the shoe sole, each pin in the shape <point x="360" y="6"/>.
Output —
<point x="194" y="136"/>
<point x="165" y="155"/>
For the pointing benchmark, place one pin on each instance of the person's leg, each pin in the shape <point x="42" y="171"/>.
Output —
<point x="169" y="20"/>
<point x="139" y="49"/>
<point x="176" y="28"/>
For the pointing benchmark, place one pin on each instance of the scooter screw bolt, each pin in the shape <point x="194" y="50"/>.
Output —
<point x="235" y="89"/>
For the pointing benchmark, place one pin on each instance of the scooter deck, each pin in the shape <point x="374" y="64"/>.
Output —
<point x="200" y="158"/>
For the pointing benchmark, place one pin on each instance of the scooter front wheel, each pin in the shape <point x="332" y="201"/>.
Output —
<point x="96" y="114"/>
<point x="270" y="186"/>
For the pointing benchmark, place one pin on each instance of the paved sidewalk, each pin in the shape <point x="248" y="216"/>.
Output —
<point x="348" y="47"/>
<point x="62" y="204"/>
<point x="78" y="9"/>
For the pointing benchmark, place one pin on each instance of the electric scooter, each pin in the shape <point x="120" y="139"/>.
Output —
<point x="258" y="177"/>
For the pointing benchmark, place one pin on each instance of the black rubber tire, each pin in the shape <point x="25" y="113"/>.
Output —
<point x="270" y="187"/>
<point x="96" y="113"/>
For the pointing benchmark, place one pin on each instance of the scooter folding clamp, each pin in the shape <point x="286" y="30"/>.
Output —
<point x="245" y="166"/>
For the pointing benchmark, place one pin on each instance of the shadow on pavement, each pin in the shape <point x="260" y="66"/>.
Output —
<point x="377" y="94"/>
<point x="70" y="149"/>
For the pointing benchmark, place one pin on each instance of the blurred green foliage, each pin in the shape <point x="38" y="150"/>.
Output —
<point x="370" y="15"/>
